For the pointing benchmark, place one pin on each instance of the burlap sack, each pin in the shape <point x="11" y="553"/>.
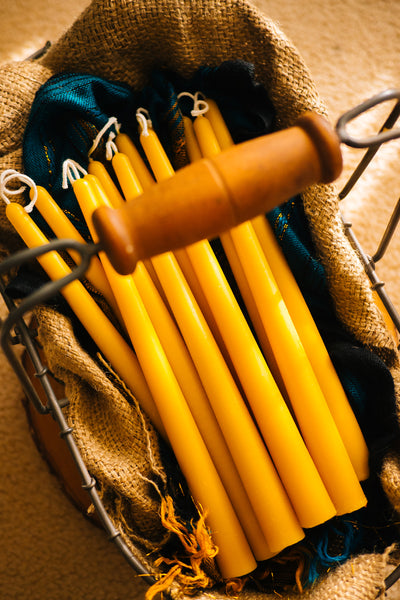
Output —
<point x="124" y="41"/>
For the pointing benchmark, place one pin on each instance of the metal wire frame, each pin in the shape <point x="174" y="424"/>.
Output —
<point x="386" y="133"/>
<point x="15" y="330"/>
<point x="373" y="144"/>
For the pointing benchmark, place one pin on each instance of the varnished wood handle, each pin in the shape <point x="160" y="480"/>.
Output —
<point x="213" y="195"/>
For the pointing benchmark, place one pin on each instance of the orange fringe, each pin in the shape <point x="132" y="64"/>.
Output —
<point x="188" y="571"/>
<point x="198" y="546"/>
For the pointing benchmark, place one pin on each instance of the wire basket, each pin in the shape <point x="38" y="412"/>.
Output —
<point x="17" y="329"/>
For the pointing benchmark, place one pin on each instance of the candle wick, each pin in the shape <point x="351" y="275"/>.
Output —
<point x="5" y="192"/>
<point x="200" y="105"/>
<point x="112" y="121"/>
<point x="143" y="118"/>
<point x="111" y="146"/>
<point x="71" y="172"/>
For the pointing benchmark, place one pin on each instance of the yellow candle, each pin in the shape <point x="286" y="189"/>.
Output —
<point x="127" y="178"/>
<point x="97" y="168"/>
<point x="152" y="272"/>
<point x="192" y="146"/>
<point x="205" y="136"/>
<point x="126" y="146"/>
<point x="266" y="493"/>
<point x="235" y="557"/>
<point x="107" y="338"/>
<point x="251" y="307"/>
<point x="218" y="124"/>
<point x="189" y="381"/>
<point x="63" y="228"/>
<point x="158" y="159"/>
<point x="197" y="291"/>
<point x="329" y="382"/>
<point x="316" y="351"/>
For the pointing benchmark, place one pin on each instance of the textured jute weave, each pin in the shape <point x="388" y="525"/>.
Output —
<point x="125" y="41"/>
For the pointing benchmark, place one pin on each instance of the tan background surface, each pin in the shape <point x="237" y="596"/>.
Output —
<point x="48" y="551"/>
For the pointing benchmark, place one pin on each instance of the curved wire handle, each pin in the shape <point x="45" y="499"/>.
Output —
<point x="38" y="297"/>
<point x="373" y="144"/>
<point x="374" y="140"/>
<point x="383" y="136"/>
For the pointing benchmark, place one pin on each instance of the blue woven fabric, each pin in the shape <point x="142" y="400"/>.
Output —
<point x="70" y="109"/>
<point x="66" y="115"/>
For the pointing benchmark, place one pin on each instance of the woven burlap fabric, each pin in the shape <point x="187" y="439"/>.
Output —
<point x="18" y="86"/>
<point x="125" y="41"/>
<point x="114" y="437"/>
<point x="358" y="579"/>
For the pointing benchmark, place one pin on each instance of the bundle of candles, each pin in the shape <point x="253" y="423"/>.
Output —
<point x="256" y="415"/>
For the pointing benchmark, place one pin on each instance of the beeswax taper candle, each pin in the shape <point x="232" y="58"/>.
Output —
<point x="126" y="146"/>
<point x="252" y="311"/>
<point x="234" y="557"/>
<point x="205" y="136"/>
<point x="97" y="168"/>
<point x="156" y="155"/>
<point x="193" y="282"/>
<point x="309" y="405"/>
<point x="192" y="145"/>
<point x="127" y="178"/>
<point x="218" y="125"/>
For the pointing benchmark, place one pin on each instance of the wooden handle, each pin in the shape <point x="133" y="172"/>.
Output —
<point x="213" y="195"/>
